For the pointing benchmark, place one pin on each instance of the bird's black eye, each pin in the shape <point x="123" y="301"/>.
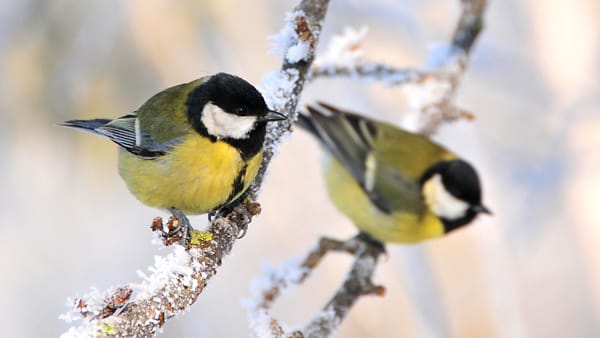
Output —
<point x="241" y="111"/>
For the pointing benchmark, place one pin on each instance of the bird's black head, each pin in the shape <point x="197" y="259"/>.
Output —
<point x="451" y="189"/>
<point x="226" y="107"/>
<point x="234" y="95"/>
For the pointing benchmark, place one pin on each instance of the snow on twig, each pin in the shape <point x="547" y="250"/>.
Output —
<point x="431" y="90"/>
<point x="275" y="281"/>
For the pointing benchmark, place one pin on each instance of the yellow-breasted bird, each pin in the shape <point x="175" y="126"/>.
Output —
<point x="192" y="148"/>
<point x="396" y="186"/>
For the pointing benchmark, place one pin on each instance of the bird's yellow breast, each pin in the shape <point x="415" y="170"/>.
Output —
<point x="397" y="227"/>
<point x="197" y="176"/>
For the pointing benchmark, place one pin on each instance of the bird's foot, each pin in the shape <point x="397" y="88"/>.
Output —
<point x="372" y="242"/>
<point x="181" y="230"/>
<point x="222" y="212"/>
<point x="212" y="215"/>
<point x="226" y="210"/>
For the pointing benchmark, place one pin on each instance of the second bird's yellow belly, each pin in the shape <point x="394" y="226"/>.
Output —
<point x="196" y="177"/>
<point x="397" y="227"/>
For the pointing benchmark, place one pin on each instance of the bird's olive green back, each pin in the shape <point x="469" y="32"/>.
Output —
<point x="407" y="152"/>
<point x="402" y="158"/>
<point x="165" y="115"/>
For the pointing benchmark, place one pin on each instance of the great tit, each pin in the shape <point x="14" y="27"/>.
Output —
<point x="396" y="186"/>
<point x="192" y="148"/>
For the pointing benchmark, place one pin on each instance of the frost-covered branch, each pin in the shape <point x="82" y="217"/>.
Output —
<point x="282" y="89"/>
<point x="430" y="91"/>
<point x="175" y="281"/>
<point x="275" y="281"/>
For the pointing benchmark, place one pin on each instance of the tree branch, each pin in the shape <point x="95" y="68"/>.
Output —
<point x="282" y="89"/>
<point x="176" y="281"/>
<point x="276" y="281"/>
<point x="431" y="91"/>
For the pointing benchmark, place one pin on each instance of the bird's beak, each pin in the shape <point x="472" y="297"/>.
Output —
<point x="482" y="209"/>
<point x="271" y="115"/>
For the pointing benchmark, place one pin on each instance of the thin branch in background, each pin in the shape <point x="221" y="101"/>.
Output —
<point x="176" y="281"/>
<point x="344" y="57"/>
<point x="276" y="281"/>
<point x="435" y="91"/>
<point x="431" y="91"/>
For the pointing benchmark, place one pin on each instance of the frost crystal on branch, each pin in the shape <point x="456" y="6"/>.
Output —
<point x="176" y="265"/>
<point x="344" y="50"/>
<point x="288" y="42"/>
<point x="278" y="85"/>
<point x="286" y="276"/>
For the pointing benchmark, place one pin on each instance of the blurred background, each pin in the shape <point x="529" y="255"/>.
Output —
<point x="68" y="222"/>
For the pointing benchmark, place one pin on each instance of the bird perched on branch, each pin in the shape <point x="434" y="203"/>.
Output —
<point x="192" y="148"/>
<point x="396" y="186"/>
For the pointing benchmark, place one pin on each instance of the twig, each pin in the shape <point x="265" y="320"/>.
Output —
<point x="469" y="25"/>
<point x="358" y="283"/>
<point x="371" y="71"/>
<point x="282" y="89"/>
<point x="140" y="310"/>
<point x="454" y="65"/>
<point x="431" y="91"/>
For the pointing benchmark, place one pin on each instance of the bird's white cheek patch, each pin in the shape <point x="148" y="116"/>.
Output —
<point x="441" y="201"/>
<point x="220" y="124"/>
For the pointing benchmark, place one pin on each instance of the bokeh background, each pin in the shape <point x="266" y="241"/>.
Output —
<point x="67" y="221"/>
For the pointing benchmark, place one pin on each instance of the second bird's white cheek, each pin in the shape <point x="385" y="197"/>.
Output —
<point x="442" y="203"/>
<point x="220" y="124"/>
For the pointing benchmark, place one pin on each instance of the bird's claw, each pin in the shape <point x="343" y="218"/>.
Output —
<point x="372" y="242"/>
<point x="183" y="227"/>
<point x="221" y="212"/>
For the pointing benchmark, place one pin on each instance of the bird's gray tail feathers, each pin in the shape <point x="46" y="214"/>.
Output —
<point x="86" y="125"/>
<point x="306" y="123"/>
<point x="316" y="114"/>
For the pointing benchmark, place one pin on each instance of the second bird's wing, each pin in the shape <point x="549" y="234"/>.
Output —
<point x="350" y="138"/>
<point x="386" y="161"/>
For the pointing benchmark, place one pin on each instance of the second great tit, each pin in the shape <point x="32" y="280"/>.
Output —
<point x="396" y="186"/>
<point x="192" y="148"/>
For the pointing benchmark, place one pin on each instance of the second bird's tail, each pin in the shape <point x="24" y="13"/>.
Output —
<point x="306" y="123"/>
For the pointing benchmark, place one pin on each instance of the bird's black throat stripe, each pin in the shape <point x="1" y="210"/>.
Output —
<point x="238" y="184"/>
<point x="451" y="225"/>
<point x="246" y="147"/>
<point x="252" y="145"/>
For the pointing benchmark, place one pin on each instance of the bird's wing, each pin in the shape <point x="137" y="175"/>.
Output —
<point x="386" y="161"/>
<point x="126" y="132"/>
<point x="349" y="138"/>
